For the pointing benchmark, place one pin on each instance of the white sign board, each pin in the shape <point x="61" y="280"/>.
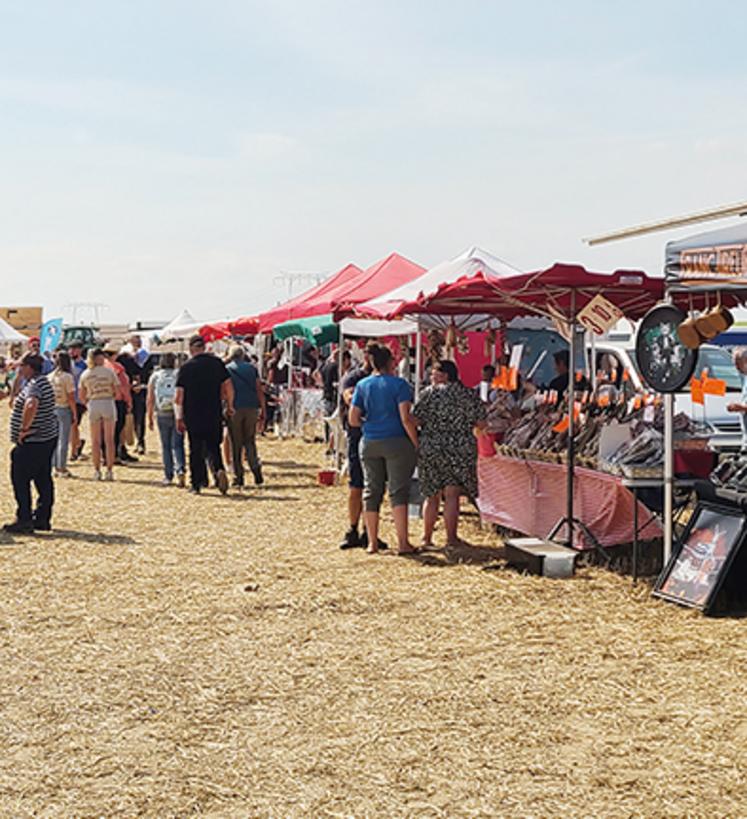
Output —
<point x="600" y="315"/>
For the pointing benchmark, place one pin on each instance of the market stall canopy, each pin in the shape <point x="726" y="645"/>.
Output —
<point x="320" y="330"/>
<point x="244" y="326"/>
<point x="9" y="334"/>
<point x="556" y="292"/>
<point x="366" y="328"/>
<point x="215" y="331"/>
<point x="392" y="305"/>
<point x="298" y="306"/>
<point x="709" y="261"/>
<point x="184" y="325"/>
<point x="350" y="286"/>
<point x="235" y="327"/>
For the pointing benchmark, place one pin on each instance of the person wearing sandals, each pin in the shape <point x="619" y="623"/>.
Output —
<point x="65" y="409"/>
<point x="160" y="403"/>
<point x="381" y="405"/>
<point x="447" y="413"/>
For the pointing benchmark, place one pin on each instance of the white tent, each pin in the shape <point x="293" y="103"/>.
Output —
<point x="9" y="335"/>
<point x="472" y="261"/>
<point x="184" y="325"/>
<point x="373" y="328"/>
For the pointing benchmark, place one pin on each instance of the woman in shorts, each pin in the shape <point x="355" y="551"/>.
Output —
<point x="98" y="388"/>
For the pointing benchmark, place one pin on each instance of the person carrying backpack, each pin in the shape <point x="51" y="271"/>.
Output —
<point x="160" y="404"/>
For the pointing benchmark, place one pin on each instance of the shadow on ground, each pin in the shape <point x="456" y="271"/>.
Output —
<point x="465" y="553"/>
<point x="88" y="537"/>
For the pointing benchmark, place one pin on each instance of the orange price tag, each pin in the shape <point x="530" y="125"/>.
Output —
<point x="513" y="379"/>
<point x="714" y="386"/>
<point x="562" y="424"/>
<point x="696" y="391"/>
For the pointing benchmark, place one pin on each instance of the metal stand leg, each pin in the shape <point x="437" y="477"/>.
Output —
<point x="635" y="534"/>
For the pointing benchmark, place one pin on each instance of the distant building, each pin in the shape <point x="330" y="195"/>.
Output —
<point x="27" y="320"/>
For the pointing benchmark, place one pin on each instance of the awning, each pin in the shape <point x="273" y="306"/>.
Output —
<point x="393" y="304"/>
<point x="320" y="330"/>
<point x="9" y="334"/>
<point x="555" y="292"/>
<point x="350" y="285"/>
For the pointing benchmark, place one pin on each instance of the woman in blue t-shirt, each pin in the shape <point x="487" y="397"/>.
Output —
<point x="381" y="405"/>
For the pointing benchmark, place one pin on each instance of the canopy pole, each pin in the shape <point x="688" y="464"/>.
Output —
<point x="668" y="469"/>
<point x="418" y="358"/>
<point x="339" y="409"/>
<point x="571" y="421"/>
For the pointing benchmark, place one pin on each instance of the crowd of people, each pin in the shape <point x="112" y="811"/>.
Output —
<point x="220" y="405"/>
<point x="122" y="391"/>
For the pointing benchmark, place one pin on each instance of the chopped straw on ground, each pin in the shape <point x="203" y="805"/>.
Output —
<point x="168" y="655"/>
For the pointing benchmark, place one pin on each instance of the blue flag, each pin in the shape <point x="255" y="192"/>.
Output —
<point x="51" y="335"/>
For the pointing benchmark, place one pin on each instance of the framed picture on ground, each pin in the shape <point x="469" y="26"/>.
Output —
<point x="701" y="562"/>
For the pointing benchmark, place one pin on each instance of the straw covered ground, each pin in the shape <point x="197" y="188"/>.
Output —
<point x="166" y="655"/>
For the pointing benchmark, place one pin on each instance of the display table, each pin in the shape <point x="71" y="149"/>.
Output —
<point x="530" y="497"/>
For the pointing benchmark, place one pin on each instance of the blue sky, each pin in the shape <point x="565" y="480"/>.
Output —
<point x="157" y="155"/>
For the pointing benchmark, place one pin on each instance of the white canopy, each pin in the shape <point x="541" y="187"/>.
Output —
<point x="9" y="335"/>
<point x="371" y="328"/>
<point x="472" y="261"/>
<point x="185" y="324"/>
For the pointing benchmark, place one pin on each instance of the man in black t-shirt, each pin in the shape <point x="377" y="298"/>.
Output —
<point x="202" y="387"/>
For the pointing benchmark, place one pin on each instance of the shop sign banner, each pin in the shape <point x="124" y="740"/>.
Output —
<point x="599" y="315"/>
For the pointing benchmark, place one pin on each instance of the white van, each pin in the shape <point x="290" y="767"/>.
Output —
<point x="725" y="426"/>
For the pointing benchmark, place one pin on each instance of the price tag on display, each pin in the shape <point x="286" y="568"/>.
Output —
<point x="648" y="414"/>
<point x="714" y="386"/>
<point x="696" y="391"/>
<point x="599" y="315"/>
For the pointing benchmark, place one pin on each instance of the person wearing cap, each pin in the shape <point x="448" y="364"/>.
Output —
<point x="75" y="348"/>
<point x="249" y="405"/>
<point x="122" y="400"/>
<point x="99" y="386"/>
<point x="33" y="431"/>
<point x="202" y="389"/>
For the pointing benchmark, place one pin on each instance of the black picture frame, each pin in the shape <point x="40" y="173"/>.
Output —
<point x="664" y="362"/>
<point x="699" y="565"/>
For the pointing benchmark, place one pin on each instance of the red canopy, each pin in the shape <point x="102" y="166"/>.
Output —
<point x="246" y="326"/>
<point x="351" y="285"/>
<point x="375" y="281"/>
<point x="216" y="330"/>
<point x="551" y="292"/>
<point x="286" y="311"/>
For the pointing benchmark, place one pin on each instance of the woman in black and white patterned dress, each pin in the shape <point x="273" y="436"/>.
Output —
<point x="447" y="413"/>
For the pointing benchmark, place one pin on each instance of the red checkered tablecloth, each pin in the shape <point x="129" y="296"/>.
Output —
<point x="530" y="497"/>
